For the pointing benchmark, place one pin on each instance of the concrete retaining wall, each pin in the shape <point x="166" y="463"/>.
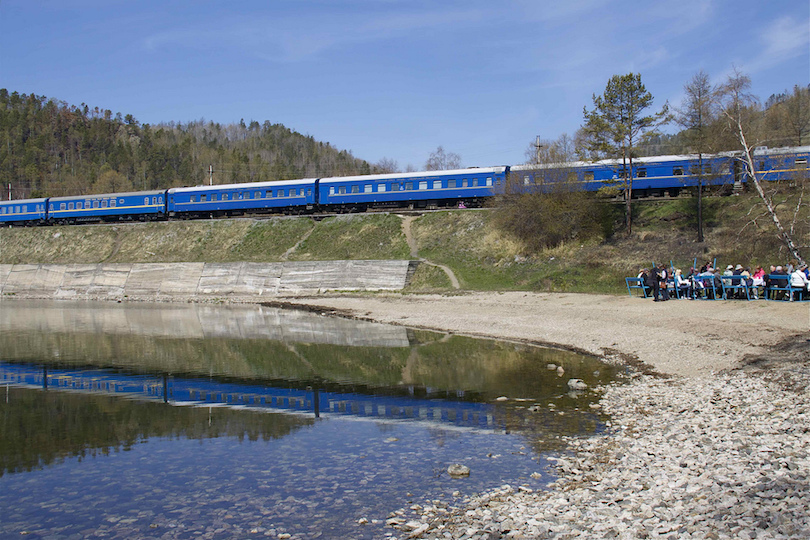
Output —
<point x="201" y="279"/>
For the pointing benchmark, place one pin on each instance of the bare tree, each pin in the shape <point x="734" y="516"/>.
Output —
<point x="737" y="106"/>
<point x="386" y="165"/>
<point x="442" y="161"/>
<point x="696" y="114"/>
<point x="797" y="115"/>
<point x="544" y="205"/>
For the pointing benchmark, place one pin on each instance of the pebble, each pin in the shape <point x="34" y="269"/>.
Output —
<point x="726" y="456"/>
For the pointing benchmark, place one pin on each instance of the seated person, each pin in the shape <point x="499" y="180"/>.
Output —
<point x="799" y="280"/>
<point x="683" y="285"/>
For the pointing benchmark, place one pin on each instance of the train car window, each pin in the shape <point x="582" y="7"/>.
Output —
<point x="309" y="192"/>
<point x="408" y="186"/>
<point x="113" y="202"/>
<point x="331" y="190"/>
<point x="380" y="187"/>
<point x="367" y="188"/>
<point x="707" y="169"/>
<point x="242" y="195"/>
<point x="423" y="185"/>
<point x="342" y="190"/>
<point x="225" y="197"/>
<point x="677" y="171"/>
<point x="214" y="197"/>
<point x="394" y="187"/>
<point x="154" y="200"/>
<point x="256" y="195"/>
<point x="62" y="206"/>
<point x="451" y="183"/>
<point x="761" y="166"/>
<point x="464" y="183"/>
<point x="70" y="206"/>
<point x="641" y="173"/>
<point x="78" y="205"/>
<point x="588" y="176"/>
<point x="203" y="198"/>
<point x="526" y="180"/>
<point x="193" y="198"/>
<point x="489" y="182"/>
<point x="104" y="203"/>
<point x="801" y="163"/>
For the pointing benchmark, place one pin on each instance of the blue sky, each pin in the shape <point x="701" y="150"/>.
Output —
<point x="392" y="78"/>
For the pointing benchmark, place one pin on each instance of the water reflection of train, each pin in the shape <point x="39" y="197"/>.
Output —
<point x="658" y="175"/>
<point x="303" y="397"/>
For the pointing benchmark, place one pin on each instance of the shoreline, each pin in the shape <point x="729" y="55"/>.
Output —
<point x="675" y="338"/>
<point x="715" y="444"/>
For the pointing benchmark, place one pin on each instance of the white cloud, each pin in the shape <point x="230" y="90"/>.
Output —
<point x="783" y="39"/>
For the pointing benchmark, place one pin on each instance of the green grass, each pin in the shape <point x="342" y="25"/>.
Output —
<point x="468" y="242"/>
<point x="355" y="237"/>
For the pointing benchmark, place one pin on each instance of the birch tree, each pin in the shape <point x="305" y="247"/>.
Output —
<point x="737" y="106"/>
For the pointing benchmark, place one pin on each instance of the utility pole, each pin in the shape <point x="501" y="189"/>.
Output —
<point x="9" y="191"/>
<point x="210" y="175"/>
<point x="537" y="147"/>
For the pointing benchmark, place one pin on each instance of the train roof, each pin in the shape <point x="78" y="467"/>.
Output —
<point x="759" y="151"/>
<point x="414" y="175"/>
<point x="110" y="195"/>
<point x="24" y="201"/>
<point x="245" y="185"/>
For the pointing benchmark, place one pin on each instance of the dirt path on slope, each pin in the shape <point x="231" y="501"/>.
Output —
<point x="406" y="229"/>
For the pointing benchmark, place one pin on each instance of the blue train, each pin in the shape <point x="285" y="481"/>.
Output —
<point x="652" y="176"/>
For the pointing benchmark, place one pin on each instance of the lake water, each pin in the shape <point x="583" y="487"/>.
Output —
<point x="190" y="421"/>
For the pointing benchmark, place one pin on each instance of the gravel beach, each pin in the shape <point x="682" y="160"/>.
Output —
<point x="710" y="437"/>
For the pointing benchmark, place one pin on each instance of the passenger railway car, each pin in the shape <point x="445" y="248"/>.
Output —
<point x="139" y="205"/>
<point x="418" y="189"/>
<point x="24" y="212"/>
<point x="664" y="175"/>
<point x="235" y="199"/>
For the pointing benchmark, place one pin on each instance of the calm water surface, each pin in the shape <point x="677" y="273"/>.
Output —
<point x="187" y="421"/>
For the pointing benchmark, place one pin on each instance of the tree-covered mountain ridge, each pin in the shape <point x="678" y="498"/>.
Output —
<point x="51" y="148"/>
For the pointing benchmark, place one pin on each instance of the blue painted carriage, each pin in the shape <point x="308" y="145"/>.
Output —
<point x="138" y="205"/>
<point x="418" y="189"/>
<point x="23" y="211"/>
<point x="235" y="199"/>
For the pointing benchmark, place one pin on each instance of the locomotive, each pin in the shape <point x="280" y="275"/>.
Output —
<point x="652" y="176"/>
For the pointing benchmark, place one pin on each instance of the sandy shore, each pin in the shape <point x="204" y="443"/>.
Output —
<point x="678" y="337"/>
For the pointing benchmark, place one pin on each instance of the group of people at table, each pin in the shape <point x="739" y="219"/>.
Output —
<point x="735" y="282"/>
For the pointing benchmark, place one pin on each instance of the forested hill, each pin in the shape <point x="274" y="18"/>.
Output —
<point x="51" y="148"/>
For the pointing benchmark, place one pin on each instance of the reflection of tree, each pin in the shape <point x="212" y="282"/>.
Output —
<point x="39" y="428"/>
<point x="480" y="369"/>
